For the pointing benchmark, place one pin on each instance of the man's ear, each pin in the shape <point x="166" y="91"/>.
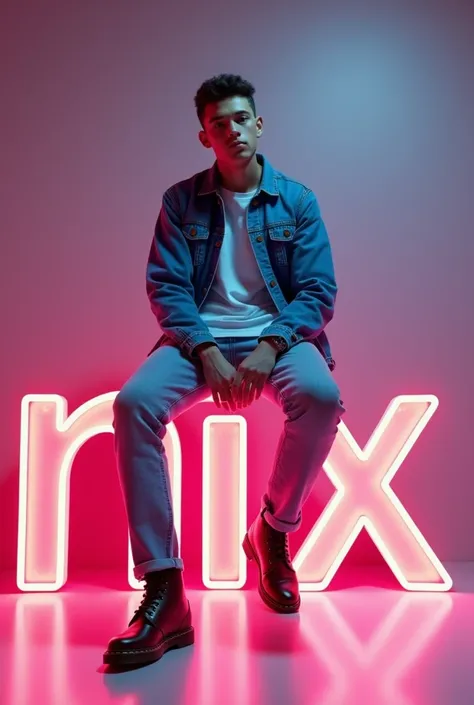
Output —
<point x="203" y="139"/>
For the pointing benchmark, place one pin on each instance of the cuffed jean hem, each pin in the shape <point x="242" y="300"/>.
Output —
<point x="157" y="564"/>
<point x="285" y="526"/>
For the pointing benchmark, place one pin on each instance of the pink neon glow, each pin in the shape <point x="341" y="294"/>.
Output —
<point x="357" y="648"/>
<point x="48" y="611"/>
<point x="224" y="612"/>
<point x="224" y="501"/>
<point x="364" y="497"/>
<point x="371" y="670"/>
<point x="50" y="440"/>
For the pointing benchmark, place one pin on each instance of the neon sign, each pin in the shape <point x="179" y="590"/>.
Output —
<point x="363" y="496"/>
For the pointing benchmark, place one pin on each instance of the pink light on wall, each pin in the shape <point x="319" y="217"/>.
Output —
<point x="50" y="440"/>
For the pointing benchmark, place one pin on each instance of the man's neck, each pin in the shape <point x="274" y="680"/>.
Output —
<point x="243" y="179"/>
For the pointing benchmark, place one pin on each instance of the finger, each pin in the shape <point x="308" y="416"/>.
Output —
<point x="222" y="402"/>
<point x="252" y="392"/>
<point x="227" y="398"/>
<point x="260" y="386"/>
<point x="215" y="396"/>
<point x="238" y="378"/>
<point x="233" y="395"/>
<point x="232" y="399"/>
<point x="239" y="392"/>
<point x="257" y="389"/>
<point x="237" y="395"/>
<point x="237" y="388"/>
<point x="247" y="383"/>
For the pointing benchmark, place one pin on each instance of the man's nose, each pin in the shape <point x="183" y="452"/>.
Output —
<point x="234" y="131"/>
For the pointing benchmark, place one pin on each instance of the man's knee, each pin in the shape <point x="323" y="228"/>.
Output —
<point x="134" y="400"/>
<point x="324" y="399"/>
<point x="126" y="400"/>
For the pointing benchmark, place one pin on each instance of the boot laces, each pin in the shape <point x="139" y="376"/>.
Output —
<point x="279" y="546"/>
<point x="152" y="596"/>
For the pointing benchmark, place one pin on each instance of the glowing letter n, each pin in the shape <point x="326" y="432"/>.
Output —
<point x="49" y="442"/>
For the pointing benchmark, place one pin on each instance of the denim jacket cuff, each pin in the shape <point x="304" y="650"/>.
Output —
<point x="290" y="337"/>
<point x="194" y="339"/>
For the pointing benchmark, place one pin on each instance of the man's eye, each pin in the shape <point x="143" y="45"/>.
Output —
<point x="240" y="119"/>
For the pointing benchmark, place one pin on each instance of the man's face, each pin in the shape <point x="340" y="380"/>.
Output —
<point x="228" y="123"/>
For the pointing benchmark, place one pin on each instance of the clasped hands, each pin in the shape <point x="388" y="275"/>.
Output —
<point x="236" y="389"/>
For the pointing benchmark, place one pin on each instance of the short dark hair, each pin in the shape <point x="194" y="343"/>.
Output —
<point x="225" y="85"/>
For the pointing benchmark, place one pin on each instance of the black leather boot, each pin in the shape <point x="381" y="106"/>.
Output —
<point x="161" y="622"/>
<point x="277" y="584"/>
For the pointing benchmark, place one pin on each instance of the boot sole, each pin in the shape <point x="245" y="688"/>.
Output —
<point x="178" y="640"/>
<point x="267" y="599"/>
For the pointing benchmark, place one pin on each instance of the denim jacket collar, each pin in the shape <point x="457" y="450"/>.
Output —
<point x="268" y="183"/>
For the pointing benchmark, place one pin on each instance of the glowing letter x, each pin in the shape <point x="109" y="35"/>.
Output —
<point x="364" y="498"/>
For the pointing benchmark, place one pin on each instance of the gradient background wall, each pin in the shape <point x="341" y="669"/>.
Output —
<point x="371" y="107"/>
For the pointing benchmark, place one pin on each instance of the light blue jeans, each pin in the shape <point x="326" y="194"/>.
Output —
<point x="167" y="384"/>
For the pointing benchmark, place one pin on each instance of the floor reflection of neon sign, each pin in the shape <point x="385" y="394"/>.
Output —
<point x="377" y="646"/>
<point x="363" y="497"/>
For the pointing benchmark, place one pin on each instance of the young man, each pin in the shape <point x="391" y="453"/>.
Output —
<point x="240" y="278"/>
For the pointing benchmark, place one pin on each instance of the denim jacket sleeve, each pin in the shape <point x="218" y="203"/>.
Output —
<point x="169" y="281"/>
<point x="312" y="279"/>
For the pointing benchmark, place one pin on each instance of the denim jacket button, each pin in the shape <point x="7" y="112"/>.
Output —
<point x="255" y="202"/>
<point x="273" y="283"/>
<point x="218" y="243"/>
<point x="259" y="238"/>
<point x="193" y="232"/>
<point x="286" y="233"/>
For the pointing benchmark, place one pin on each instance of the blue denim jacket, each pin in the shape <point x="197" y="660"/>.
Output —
<point x="290" y="242"/>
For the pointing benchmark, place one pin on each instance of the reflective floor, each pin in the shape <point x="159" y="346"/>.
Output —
<point x="359" y="645"/>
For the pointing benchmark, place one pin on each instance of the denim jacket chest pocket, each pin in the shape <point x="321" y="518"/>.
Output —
<point x="279" y="241"/>
<point x="197" y="236"/>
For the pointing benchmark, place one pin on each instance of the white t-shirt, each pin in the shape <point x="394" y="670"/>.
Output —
<point x="238" y="304"/>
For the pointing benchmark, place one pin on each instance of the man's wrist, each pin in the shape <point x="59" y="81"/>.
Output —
<point x="271" y="344"/>
<point x="204" y="349"/>
<point x="276" y="342"/>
